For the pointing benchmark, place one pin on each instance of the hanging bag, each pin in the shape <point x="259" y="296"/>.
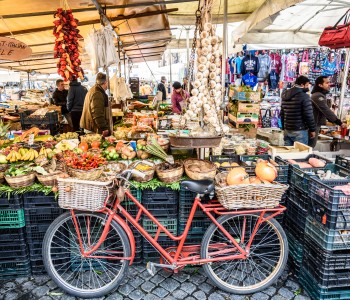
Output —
<point x="274" y="120"/>
<point x="279" y="121"/>
<point x="304" y="64"/>
<point x="266" y="119"/>
<point x="337" y="36"/>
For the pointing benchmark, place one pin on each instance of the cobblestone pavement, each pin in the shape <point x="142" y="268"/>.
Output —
<point x="190" y="284"/>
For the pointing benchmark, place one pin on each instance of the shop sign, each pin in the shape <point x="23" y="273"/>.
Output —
<point x="12" y="49"/>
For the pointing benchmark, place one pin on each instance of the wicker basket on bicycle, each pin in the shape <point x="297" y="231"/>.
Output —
<point x="145" y="169"/>
<point x="198" y="169"/>
<point x="248" y="195"/>
<point x="92" y="174"/>
<point x="170" y="173"/>
<point x="83" y="194"/>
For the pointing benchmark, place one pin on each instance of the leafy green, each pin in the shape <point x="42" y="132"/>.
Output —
<point x="155" y="183"/>
<point x="36" y="187"/>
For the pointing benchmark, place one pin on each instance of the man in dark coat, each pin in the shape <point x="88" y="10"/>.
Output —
<point x="59" y="96"/>
<point x="75" y="103"/>
<point x="296" y="113"/>
<point x="161" y="87"/>
<point x="322" y="112"/>
<point x="94" y="118"/>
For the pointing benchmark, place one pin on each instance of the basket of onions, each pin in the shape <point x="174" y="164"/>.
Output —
<point x="236" y="190"/>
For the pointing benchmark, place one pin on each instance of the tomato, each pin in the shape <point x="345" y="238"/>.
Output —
<point x="110" y="148"/>
<point x="95" y="145"/>
<point x="83" y="146"/>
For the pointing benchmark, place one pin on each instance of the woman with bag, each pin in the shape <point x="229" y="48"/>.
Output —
<point x="179" y="98"/>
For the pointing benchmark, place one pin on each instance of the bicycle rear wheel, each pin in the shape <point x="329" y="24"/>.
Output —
<point x="266" y="260"/>
<point x="79" y="276"/>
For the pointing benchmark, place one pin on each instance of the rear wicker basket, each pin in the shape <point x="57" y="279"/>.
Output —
<point x="248" y="195"/>
<point x="48" y="179"/>
<point x="148" y="174"/>
<point x="82" y="194"/>
<point x="20" y="181"/>
<point x="85" y="174"/>
<point x="199" y="175"/>
<point x="169" y="176"/>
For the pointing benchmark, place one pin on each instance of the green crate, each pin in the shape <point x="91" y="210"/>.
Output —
<point x="169" y="224"/>
<point x="137" y="193"/>
<point x="296" y="249"/>
<point x="9" y="269"/>
<point x="321" y="293"/>
<point x="10" y="218"/>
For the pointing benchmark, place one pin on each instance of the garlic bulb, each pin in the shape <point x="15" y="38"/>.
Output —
<point x="202" y="67"/>
<point x="197" y="84"/>
<point x="199" y="75"/>
<point x="212" y="67"/>
<point x="204" y="35"/>
<point x="194" y="92"/>
<point x="214" y="40"/>
<point x="218" y="71"/>
<point x="212" y="84"/>
<point x="218" y="87"/>
<point x="205" y="42"/>
<point x="212" y="75"/>
<point x="206" y="73"/>
<point x="205" y="51"/>
<point x="202" y="60"/>
<point x="217" y="78"/>
<point x="207" y="26"/>
<point x="201" y="95"/>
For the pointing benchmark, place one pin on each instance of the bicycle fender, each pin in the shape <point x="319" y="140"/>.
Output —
<point x="129" y="233"/>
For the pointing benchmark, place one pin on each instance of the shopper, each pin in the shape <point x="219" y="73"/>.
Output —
<point x="161" y="87"/>
<point x="185" y="85"/>
<point x="94" y="118"/>
<point x="59" y="96"/>
<point x="296" y="113"/>
<point x="322" y="111"/>
<point x="75" y="103"/>
<point x="179" y="98"/>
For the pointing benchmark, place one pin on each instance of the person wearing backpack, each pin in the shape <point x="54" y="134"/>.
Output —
<point x="297" y="114"/>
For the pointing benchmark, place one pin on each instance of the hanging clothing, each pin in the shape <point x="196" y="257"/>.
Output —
<point x="284" y="67"/>
<point x="275" y="63"/>
<point x="273" y="80"/>
<point x="250" y="64"/>
<point x="238" y="62"/>
<point x="264" y="63"/>
<point x="291" y="67"/>
<point x="329" y="68"/>
<point x="232" y="65"/>
<point x="250" y="79"/>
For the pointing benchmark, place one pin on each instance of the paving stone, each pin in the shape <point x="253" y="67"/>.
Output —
<point x="238" y="297"/>
<point x="270" y="291"/>
<point x="157" y="279"/>
<point x="205" y="287"/>
<point x="145" y="275"/>
<point x="115" y="296"/>
<point x="160" y="292"/>
<point x="181" y="277"/>
<point x="170" y="284"/>
<point x="179" y="294"/>
<point x="197" y="279"/>
<point x="40" y="279"/>
<point x="11" y="296"/>
<point x="21" y="280"/>
<point x="169" y="298"/>
<point x="278" y="297"/>
<point x="285" y="293"/>
<point x="301" y="297"/>
<point x="136" y="282"/>
<point x="45" y="298"/>
<point x="40" y="291"/>
<point x="151" y="297"/>
<point x="292" y="284"/>
<point x="216" y="296"/>
<point x="259" y="296"/>
<point x="199" y="295"/>
<point x="52" y="285"/>
<point x="148" y="286"/>
<point x="9" y="285"/>
<point x="164" y="273"/>
<point x="190" y="298"/>
<point x="136" y="295"/>
<point x="125" y="289"/>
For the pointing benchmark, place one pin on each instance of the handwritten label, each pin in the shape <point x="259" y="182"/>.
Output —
<point x="12" y="49"/>
<point x="31" y="139"/>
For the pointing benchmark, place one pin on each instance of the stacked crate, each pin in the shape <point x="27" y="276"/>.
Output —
<point x="14" y="256"/>
<point x="132" y="209"/>
<point x="40" y="211"/>
<point x="163" y="204"/>
<point x="325" y="272"/>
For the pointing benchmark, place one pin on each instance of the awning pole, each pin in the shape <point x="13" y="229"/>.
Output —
<point x="224" y="49"/>
<point x="170" y="77"/>
<point x="343" y="86"/>
<point x="188" y="56"/>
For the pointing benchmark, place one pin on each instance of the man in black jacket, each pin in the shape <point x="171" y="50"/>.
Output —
<point x="161" y="87"/>
<point x="296" y="113"/>
<point x="75" y="103"/>
<point x="59" y="96"/>
<point x="322" y="112"/>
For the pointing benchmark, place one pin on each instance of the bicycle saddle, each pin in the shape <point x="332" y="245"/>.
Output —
<point x="205" y="186"/>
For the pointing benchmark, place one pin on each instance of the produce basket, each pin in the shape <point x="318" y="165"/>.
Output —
<point x="92" y="174"/>
<point x="195" y="142"/>
<point x="149" y="173"/>
<point x="91" y="137"/>
<point x="198" y="169"/>
<point x="83" y="194"/>
<point x="115" y="167"/>
<point x="20" y="181"/>
<point x="170" y="175"/>
<point x="48" y="179"/>
<point x="248" y="195"/>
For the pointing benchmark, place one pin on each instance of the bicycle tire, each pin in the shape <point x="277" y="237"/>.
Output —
<point x="241" y="283"/>
<point x="62" y="259"/>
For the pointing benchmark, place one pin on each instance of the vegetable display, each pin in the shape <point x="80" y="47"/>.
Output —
<point x="66" y="45"/>
<point x="85" y="161"/>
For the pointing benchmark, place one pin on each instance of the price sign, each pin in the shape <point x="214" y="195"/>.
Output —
<point x="12" y="49"/>
<point x="31" y="139"/>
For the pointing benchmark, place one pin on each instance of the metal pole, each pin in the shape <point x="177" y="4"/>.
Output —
<point x="170" y="71"/>
<point x="119" y="62"/>
<point x="343" y="86"/>
<point x="188" y="56"/>
<point x="224" y="49"/>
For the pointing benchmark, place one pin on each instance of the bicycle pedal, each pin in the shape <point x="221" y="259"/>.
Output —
<point x="151" y="268"/>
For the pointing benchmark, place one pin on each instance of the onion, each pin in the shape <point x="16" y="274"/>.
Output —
<point x="265" y="171"/>
<point x="237" y="176"/>
<point x="254" y="180"/>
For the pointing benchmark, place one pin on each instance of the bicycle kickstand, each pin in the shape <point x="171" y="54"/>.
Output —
<point x="151" y="267"/>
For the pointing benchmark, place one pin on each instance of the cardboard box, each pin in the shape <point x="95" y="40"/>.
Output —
<point x="248" y="108"/>
<point x="299" y="150"/>
<point x="247" y="96"/>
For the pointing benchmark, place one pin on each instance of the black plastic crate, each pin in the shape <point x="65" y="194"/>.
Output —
<point x="299" y="197"/>
<point x="12" y="250"/>
<point x="220" y="159"/>
<point x="49" y="118"/>
<point x="296" y="213"/>
<point x="160" y="196"/>
<point x="290" y="226"/>
<point x="35" y="249"/>
<point x="41" y="215"/>
<point x="36" y="232"/>
<point x="162" y="209"/>
<point x="13" y="235"/>
<point x="343" y="161"/>
<point x="185" y="209"/>
<point x="327" y="239"/>
<point x="198" y="226"/>
<point x="151" y="254"/>
<point x="39" y="199"/>
<point x="10" y="201"/>
<point x="327" y="260"/>
<point x="11" y="269"/>
<point x="37" y="266"/>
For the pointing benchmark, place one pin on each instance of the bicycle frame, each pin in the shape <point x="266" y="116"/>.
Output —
<point x="176" y="260"/>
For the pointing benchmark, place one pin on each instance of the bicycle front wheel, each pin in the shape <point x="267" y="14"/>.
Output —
<point x="264" y="264"/>
<point x="79" y="276"/>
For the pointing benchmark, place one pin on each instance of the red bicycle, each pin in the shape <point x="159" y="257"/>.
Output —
<point x="87" y="254"/>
